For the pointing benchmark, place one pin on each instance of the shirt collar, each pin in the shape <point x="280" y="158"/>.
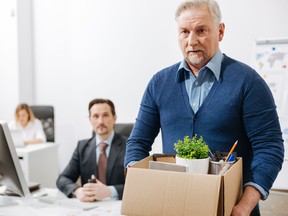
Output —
<point x="214" y="65"/>
<point x="108" y="141"/>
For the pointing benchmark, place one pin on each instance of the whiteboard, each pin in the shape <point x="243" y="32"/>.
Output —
<point x="270" y="60"/>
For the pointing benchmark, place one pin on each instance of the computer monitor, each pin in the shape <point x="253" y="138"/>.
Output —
<point x="11" y="174"/>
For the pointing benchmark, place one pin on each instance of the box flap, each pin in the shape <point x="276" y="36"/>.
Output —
<point x="167" y="166"/>
<point x="144" y="163"/>
<point x="156" y="192"/>
<point x="232" y="186"/>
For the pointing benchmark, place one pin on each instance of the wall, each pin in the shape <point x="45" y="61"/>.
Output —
<point x="16" y="54"/>
<point x="9" y="94"/>
<point x="248" y="20"/>
<point x="94" y="48"/>
<point x="88" y="49"/>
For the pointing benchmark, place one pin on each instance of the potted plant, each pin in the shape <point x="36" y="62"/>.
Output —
<point x="193" y="152"/>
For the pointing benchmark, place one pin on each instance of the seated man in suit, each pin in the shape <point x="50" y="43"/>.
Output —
<point x="90" y="160"/>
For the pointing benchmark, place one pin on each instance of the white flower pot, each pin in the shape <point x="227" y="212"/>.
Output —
<point x="195" y="165"/>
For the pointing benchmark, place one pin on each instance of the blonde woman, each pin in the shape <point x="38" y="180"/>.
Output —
<point x="32" y="127"/>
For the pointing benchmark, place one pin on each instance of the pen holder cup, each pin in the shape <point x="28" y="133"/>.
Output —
<point x="219" y="168"/>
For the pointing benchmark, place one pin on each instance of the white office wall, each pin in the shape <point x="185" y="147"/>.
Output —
<point x="88" y="49"/>
<point x="16" y="56"/>
<point x="97" y="48"/>
<point x="25" y="51"/>
<point x="247" y="20"/>
<point x="9" y="85"/>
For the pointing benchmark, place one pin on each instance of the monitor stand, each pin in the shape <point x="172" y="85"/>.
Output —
<point x="7" y="201"/>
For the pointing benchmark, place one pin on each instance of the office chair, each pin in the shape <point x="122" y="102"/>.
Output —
<point x="122" y="128"/>
<point x="46" y="115"/>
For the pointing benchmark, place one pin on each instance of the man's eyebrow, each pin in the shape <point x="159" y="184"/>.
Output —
<point x="201" y="26"/>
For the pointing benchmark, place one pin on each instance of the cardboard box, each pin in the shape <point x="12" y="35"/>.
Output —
<point x="170" y="193"/>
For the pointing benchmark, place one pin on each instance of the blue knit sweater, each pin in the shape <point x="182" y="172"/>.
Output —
<point x="239" y="107"/>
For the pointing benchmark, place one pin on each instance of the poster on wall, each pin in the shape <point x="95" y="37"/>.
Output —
<point x="270" y="60"/>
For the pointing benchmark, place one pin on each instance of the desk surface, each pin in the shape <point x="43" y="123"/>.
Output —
<point x="33" y="207"/>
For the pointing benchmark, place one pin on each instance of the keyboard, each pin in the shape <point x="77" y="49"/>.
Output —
<point x="71" y="203"/>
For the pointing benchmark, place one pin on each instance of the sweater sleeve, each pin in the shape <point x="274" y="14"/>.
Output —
<point x="146" y="127"/>
<point x="261" y="123"/>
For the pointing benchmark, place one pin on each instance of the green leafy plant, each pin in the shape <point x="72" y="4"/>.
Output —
<point x="192" y="148"/>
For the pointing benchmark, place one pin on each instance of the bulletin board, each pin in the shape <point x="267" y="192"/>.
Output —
<point x="270" y="60"/>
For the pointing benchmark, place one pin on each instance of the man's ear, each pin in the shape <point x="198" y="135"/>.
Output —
<point x="221" y="31"/>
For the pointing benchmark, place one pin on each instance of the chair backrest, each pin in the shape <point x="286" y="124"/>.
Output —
<point x="46" y="115"/>
<point x="123" y="128"/>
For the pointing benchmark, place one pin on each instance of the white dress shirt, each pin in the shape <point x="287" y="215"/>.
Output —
<point x="33" y="130"/>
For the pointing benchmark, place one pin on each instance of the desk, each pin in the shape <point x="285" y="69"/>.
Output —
<point x="39" y="163"/>
<point x="33" y="207"/>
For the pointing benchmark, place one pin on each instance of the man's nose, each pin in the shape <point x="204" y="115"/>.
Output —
<point x="101" y="119"/>
<point x="192" y="39"/>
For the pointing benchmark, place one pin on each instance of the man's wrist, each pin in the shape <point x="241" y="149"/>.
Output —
<point x="261" y="190"/>
<point x="250" y="198"/>
<point x="74" y="192"/>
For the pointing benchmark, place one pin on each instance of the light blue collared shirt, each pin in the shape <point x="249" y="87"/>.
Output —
<point x="198" y="87"/>
<point x="114" y="193"/>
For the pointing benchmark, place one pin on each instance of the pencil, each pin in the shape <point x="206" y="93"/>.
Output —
<point x="231" y="150"/>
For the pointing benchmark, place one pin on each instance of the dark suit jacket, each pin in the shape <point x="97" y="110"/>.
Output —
<point x="83" y="164"/>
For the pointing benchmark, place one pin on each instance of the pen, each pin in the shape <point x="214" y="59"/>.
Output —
<point x="212" y="156"/>
<point x="218" y="156"/>
<point x="231" y="151"/>
<point x="231" y="158"/>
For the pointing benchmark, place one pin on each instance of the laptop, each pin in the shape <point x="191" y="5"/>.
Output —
<point x="17" y="137"/>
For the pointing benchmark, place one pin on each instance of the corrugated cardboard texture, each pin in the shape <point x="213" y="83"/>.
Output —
<point x="232" y="186"/>
<point x="168" y="193"/>
<point x="155" y="192"/>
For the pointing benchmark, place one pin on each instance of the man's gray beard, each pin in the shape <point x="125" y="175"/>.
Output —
<point x="194" y="60"/>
